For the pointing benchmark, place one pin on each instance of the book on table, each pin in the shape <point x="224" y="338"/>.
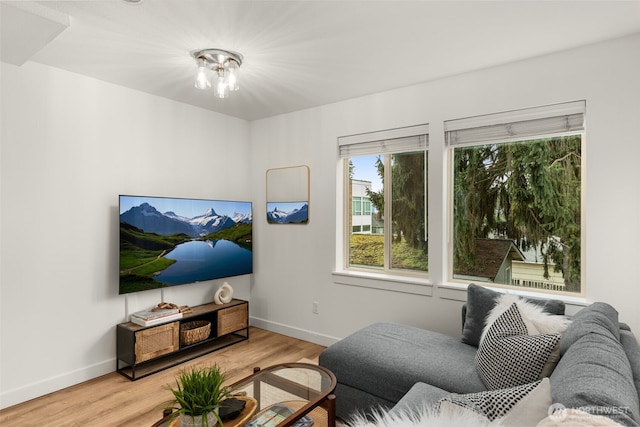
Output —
<point x="156" y="321"/>
<point x="155" y="314"/>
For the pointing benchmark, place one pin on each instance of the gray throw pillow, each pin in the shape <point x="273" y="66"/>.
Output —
<point x="481" y="300"/>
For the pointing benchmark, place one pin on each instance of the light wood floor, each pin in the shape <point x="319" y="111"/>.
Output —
<point x="113" y="400"/>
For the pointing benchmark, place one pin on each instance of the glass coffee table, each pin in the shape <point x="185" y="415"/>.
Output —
<point x="288" y="394"/>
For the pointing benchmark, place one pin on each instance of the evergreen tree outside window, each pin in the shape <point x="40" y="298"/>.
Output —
<point x="393" y="167"/>
<point x="516" y="198"/>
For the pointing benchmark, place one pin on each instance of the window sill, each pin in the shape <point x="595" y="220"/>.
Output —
<point x="387" y="282"/>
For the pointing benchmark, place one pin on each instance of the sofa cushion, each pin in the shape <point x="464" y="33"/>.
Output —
<point x="594" y="371"/>
<point x="352" y="401"/>
<point x="481" y="300"/>
<point x="387" y="359"/>
<point x="597" y="318"/>
<point x="508" y="356"/>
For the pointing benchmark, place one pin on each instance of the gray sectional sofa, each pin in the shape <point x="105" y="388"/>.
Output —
<point x="386" y="365"/>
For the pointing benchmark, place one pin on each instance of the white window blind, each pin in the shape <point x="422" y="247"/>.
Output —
<point x="414" y="138"/>
<point x="517" y="125"/>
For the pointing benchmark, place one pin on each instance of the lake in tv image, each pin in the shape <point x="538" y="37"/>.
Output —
<point x="174" y="241"/>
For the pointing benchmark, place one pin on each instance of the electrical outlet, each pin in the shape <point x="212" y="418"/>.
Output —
<point x="316" y="307"/>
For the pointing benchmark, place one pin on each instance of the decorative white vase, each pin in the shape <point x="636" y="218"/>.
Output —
<point x="189" y="421"/>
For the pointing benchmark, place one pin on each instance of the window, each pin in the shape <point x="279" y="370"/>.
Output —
<point x="385" y="176"/>
<point x="357" y="206"/>
<point x="516" y="197"/>
<point x="361" y="206"/>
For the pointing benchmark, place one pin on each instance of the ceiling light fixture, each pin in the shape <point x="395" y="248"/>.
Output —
<point x="218" y="68"/>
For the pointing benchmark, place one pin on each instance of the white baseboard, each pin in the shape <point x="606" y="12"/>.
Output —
<point x="294" y="332"/>
<point x="49" y="385"/>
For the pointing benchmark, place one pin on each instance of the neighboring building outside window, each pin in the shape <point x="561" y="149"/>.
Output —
<point x="360" y="206"/>
<point x="386" y="200"/>
<point x="516" y="198"/>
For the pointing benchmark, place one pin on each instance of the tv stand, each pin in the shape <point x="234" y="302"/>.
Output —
<point x="145" y="350"/>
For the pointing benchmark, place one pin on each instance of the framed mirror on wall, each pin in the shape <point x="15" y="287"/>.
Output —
<point x="288" y="195"/>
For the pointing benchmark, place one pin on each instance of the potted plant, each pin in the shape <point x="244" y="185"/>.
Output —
<point x="198" y="396"/>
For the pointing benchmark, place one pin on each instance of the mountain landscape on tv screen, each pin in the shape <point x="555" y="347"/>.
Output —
<point x="159" y="249"/>
<point x="149" y="219"/>
<point x="296" y="216"/>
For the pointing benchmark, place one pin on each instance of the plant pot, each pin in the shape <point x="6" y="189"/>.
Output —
<point x="189" y="421"/>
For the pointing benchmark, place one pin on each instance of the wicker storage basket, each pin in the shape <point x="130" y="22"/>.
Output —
<point x="193" y="332"/>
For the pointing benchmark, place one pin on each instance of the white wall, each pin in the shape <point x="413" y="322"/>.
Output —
<point x="70" y="146"/>
<point x="295" y="263"/>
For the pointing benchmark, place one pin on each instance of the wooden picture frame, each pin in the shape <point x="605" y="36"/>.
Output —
<point x="288" y="195"/>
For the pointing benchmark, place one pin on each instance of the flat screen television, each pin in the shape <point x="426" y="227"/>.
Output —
<point x="175" y="241"/>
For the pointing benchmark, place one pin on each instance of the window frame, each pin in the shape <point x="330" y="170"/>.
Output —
<point x="574" y="114"/>
<point x="378" y="143"/>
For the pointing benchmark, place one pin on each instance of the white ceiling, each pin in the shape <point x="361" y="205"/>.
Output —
<point x="299" y="54"/>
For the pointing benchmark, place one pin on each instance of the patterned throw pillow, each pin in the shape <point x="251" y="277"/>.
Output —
<point x="531" y="401"/>
<point x="508" y="356"/>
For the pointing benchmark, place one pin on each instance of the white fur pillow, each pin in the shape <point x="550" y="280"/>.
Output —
<point x="538" y="321"/>
<point x="428" y="417"/>
<point x="524" y="406"/>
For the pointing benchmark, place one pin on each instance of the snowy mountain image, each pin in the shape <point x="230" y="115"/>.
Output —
<point x="288" y="213"/>
<point x="239" y="218"/>
<point x="211" y="222"/>
<point x="148" y="218"/>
